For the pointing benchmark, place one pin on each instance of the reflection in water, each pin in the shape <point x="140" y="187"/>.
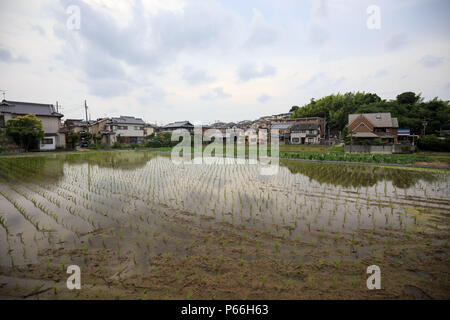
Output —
<point x="351" y="175"/>
<point x="123" y="197"/>
<point x="49" y="169"/>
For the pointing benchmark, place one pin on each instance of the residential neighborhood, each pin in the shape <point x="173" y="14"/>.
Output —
<point x="380" y="130"/>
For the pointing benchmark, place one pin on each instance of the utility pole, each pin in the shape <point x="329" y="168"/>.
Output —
<point x="85" y="109"/>
<point x="57" y="107"/>
<point x="425" y="122"/>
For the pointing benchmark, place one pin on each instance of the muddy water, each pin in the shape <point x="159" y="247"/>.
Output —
<point x="129" y="213"/>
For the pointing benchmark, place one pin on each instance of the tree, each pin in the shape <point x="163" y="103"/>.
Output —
<point x="408" y="98"/>
<point x="293" y="108"/>
<point x="408" y="108"/>
<point x="25" y="130"/>
<point x="72" y="139"/>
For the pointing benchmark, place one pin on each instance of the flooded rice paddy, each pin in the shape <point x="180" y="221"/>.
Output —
<point x="141" y="227"/>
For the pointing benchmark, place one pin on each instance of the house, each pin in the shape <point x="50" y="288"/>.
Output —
<point x="370" y="126"/>
<point x="77" y="125"/>
<point x="306" y="133"/>
<point x="311" y="120"/>
<point x="102" y="127"/>
<point x="149" y="129"/>
<point x="276" y="117"/>
<point x="177" y="125"/>
<point x="405" y="137"/>
<point x="284" y="131"/>
<point x="124" y="129"/>
<point x="46" y="113"/>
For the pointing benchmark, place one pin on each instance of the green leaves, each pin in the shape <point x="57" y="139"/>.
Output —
<point x="25" y="130"/>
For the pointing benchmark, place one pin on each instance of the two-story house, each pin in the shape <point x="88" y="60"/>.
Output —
<point x="46" y="113"/>
<point x="124" y="129"/>
<point x="177" y="125"/>
<point x="306" y="133"/>
<point x="371" y="126"/>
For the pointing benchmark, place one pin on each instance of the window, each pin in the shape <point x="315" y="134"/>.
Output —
<point x="378" y="116"/>
<point x="295" y="140"/>
<point x="47" y="141"/>
<point x="122" y="127"/>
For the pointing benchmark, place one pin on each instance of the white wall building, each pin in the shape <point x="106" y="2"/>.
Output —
<point x="46" y="113"/>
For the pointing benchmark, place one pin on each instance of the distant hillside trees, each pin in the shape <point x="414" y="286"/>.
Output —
<point x="408" y="107"/>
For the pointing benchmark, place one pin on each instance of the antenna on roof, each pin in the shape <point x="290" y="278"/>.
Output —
<point x="4" y="94"/>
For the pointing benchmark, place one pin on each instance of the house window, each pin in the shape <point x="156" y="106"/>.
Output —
<point x="295" y="140"/>
<point x="122" y="127"/>
<point x="378" y="116"/>
<point x="47" y="141"/>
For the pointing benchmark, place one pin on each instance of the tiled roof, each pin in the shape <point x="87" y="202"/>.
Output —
<point x="127" y="120"/>
<point x="39" y="109"/>
<point x="282" y="126"/>
<point x="304" y="126"/>
<point x="378" y="120"/>
<point x="364" y="135"/>
<point x="178" y="124"/>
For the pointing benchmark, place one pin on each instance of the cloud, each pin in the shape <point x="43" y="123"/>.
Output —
<point x="380" y="73"/>
<point x="249" y="71"/>
<point x="264" y="98"/>
<point x="195" y="76"/>
<point x="397" y="41"/>
<point x="217" y="93"/>
<point x="151" y="95"/>
<point x="318" y="32"/>
<point x="38" y="29"/>
<point x="6" y="56"/>
<point x="430" y="61"/>
<point x="104" y="47"/>
<point x="322" y="83"/>
<point x="262" y="33"/>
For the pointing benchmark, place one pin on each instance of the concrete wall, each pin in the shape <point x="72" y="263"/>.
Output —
<point x="131" y="132"/>
<point x="51" y="146"/>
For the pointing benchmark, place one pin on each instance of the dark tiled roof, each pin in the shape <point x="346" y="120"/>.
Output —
<point x="127" y="120"/>
<point x="282" y="126"/>
<point x="304" y="126"/>
<point x="179" y="124"/>
<point x="39" y="109"/>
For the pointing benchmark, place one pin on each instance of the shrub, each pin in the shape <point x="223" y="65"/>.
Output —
<point x="117" y="145"/>
<point x="433" y="143"/>
<point x="25" y="130"/>
<point x="72" y="139"/>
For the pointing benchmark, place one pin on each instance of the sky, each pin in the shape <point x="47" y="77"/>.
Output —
<point x="208" y="60"/>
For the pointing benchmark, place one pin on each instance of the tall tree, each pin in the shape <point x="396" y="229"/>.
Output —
<point x="25" y="130"/>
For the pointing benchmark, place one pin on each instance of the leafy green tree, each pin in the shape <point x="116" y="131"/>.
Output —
<point x="26" y="131"/>
<point x="72" y="139"/>
<point x="408" y="98"/>
<point x="408" y="107"/>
